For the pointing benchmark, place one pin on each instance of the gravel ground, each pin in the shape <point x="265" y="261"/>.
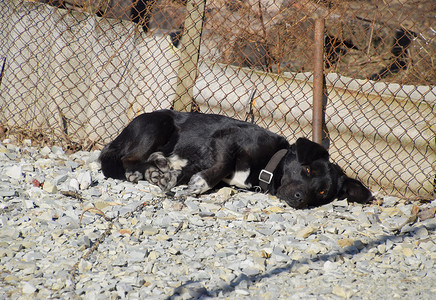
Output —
<point x="67" y="232"/>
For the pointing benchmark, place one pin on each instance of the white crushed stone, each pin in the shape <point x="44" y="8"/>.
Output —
<point x="106" y="238"/>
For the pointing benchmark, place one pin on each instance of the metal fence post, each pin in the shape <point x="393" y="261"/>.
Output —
<point x="317" y="113"/>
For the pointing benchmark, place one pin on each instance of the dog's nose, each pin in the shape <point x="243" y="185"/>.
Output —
<point x="298" y="195"/>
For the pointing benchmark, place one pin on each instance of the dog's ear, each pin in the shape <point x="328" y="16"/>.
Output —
<point x="308" y="151"/>
<point x="354" y="191"/>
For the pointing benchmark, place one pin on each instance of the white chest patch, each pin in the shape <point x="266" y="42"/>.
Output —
<point x="177" y="163"/>
<point x="238" y="179"/>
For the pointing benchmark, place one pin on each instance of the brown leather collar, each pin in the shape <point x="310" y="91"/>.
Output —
<point x="266" y="175"/>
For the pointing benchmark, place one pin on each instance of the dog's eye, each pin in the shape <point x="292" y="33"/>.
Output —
<point x="307" y="170"/>
<point x="322" y="192"/>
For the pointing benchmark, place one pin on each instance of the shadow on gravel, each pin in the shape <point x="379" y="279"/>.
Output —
<point x="195" y="289"/>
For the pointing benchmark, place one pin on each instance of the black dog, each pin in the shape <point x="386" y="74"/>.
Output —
<point x="170" y="148"/>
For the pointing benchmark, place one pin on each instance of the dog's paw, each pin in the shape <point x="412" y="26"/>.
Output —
<point x="134" y="176"/>
<point x="153" y="175"/>
<point x="160" y="161"/>
<point x="164" y="180"/>
<point x="168" y="180"/>
<point x="197" y="185"/>
<point x="172" y="180"/>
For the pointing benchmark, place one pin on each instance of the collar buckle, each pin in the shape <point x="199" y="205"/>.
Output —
<point x="265" y="176"/>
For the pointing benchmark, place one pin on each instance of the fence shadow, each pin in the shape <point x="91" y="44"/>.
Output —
<point x="196" y="290"/>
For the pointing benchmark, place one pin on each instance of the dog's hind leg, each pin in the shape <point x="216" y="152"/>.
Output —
<point x="111" y="163"/>
<point x="126" y="156"/>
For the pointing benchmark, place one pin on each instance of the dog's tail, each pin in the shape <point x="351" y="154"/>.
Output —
<point x="111" y="163"/>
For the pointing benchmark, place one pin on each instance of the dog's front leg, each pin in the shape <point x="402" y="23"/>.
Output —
<point x="205" y="180"/>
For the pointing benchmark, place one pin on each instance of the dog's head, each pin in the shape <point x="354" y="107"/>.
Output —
<point x="309" y="179"/>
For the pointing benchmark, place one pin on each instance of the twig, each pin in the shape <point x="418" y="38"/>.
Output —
<point x="268" y="52"/>
<point x="72" y="194"/>
<point x="178" y="228"/>
<point x="99" y="211"/>
<point x="370" y="35"/>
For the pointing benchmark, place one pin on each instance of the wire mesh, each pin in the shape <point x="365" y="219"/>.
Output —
<point x="74" y="72"/>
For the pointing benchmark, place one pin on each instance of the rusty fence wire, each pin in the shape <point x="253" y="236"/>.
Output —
<point x="74" y="72"/>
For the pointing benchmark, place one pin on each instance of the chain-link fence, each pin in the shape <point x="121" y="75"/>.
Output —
<point x="74" y="72"/>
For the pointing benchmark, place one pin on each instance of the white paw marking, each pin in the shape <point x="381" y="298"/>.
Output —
<point x="197" y="185"/>
<point x="177" y="163"/>
<point x="238" y="179"/>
